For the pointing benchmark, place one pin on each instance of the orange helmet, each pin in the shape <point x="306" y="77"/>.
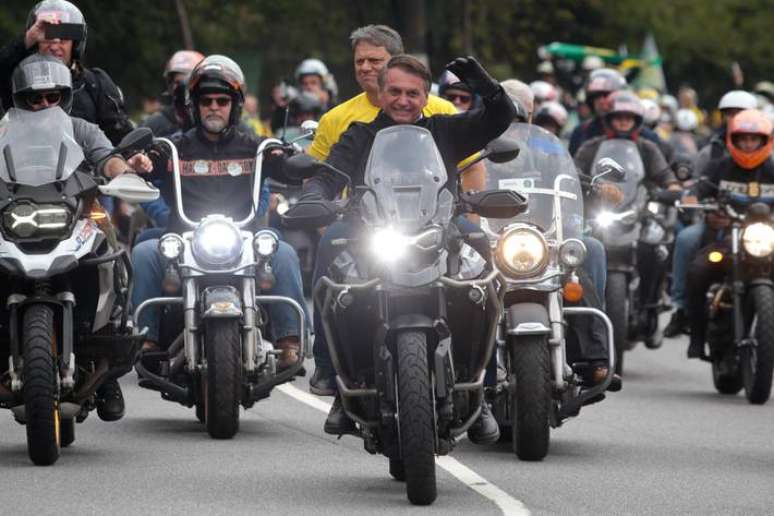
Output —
<point x="750" y="121"/>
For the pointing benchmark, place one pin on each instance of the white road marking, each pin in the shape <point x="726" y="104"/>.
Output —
<point x="509" y="505"/>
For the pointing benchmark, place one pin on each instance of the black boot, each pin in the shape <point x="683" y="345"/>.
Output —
<point x="110" y="401"/>
<point x="323" y="381"/>
<point x="338" y="422"/>
<point x="485" y="429"/>
<point x="678" y="324"/>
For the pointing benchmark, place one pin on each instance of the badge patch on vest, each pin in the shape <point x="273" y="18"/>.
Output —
<point x="226" y="167"/>
<point x="754" y="189"/>
<point x="201" y="167"/>
<point x="234" y="168"/>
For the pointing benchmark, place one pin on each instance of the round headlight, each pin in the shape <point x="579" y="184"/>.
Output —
<point x="265" y="243"/>
<point x="522" y="252"/>
<point x="605" y="218"/>
<point x="170" y="246"/>
<point x="572" y="253"/>
<point x="758" y="239"/>
<point x="217" y="243"/>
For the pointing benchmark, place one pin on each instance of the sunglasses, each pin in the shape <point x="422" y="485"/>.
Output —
<point x="451" y="97"/>
<point x="220" y="101"/>
<point x="36" y="99"/>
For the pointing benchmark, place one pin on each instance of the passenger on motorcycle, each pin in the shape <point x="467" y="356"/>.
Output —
<point x="404" y="85"/>
<point x="42" y="81"/>
<point x="552" y="117"/>
<point x="747" y="170"/>
<point x="96" y="98"/>
<point x="217" y="160"/>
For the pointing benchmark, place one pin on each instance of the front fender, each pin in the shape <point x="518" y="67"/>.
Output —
<point x="221" y="302"/>
<point x="527" y="319"/>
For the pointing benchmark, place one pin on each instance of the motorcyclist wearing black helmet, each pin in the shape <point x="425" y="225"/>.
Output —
<point x="42" y="81"/>
<point x="96" y="98"/>
<point x="217" y="159"/>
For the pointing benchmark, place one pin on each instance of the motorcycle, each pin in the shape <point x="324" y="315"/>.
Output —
<point x="540" y="372"/>
<point x="633" y="232"/>
<point x="215" y="274"/>
<point x="740" y="331"/>
<point x="408" y="340"/>
<point x="66" y="329"/>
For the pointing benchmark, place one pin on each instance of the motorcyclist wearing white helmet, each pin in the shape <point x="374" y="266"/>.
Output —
<point x="551" y="116"/>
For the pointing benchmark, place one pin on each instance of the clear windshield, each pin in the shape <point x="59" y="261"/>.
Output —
<point x="34" y="143"/>
<point x="626" y="153"/>
<point x="545" y="173"/>
<point x="406" y="172"/>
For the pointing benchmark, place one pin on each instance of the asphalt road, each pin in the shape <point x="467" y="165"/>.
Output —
<point x="666" y="444"/>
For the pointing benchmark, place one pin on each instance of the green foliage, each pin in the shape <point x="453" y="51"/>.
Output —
<point x="698" y="39"/>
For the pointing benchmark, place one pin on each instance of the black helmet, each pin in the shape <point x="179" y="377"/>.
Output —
<point x="41" y="72"/>
<point x="65" y="12"/>
<point x="219" y="74"/>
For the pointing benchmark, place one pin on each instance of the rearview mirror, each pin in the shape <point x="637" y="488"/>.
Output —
<point x="609" y="167"/>
<point x="502" y="150"/>
<point x="310" y="214"/>
<point x="495" y="204"/>
<point x="130" y="188"/>
<point x="136" y="141"/>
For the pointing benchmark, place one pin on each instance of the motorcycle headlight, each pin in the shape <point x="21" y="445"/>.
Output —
<point x="265" y="243"/>
<point x="758" y="239"/>
<point x="522" y="252"/>
<point x="389" y="245"/>
<point x="29" y="220"/>
<point x="171" y="246"/>
<point x="217" y="243"/>
<point x="605" y="218"/>
<point x="572" y="253"/>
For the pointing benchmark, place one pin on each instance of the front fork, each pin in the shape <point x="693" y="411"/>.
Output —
<point x="737" y="287"/>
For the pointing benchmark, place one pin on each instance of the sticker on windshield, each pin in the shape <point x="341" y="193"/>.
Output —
<point x="517" y="183"/>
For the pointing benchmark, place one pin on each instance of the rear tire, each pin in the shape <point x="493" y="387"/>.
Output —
<point x="725" y="383"/>
<point x="530" y="396"/>
<point x="416" y="418"/>
<point x="757" y="363"/>
<point x="40" y="390"/>
<point x="223" y="382"/>
<point x="617" y="308"/>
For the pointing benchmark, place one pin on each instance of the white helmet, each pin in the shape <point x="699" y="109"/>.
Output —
<point x="592" y="63"/>
<point x="652" y="112"/>
<point x="311" y="67"/>
<point x="543" y="91"/>
<point x="669" y="103"/>
<point x="553" y="111"/>
<point x="686" y="120"/>
<point x="737" y="99"/>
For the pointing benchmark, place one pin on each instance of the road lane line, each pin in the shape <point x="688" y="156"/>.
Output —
<point x="509" y="505"/>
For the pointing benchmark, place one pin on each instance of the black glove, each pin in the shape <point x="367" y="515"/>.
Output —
<point x="473" y="74"/>
<point x="310" y="197"/>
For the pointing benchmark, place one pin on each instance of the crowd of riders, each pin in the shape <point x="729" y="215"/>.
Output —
<point x="217" y="123"/>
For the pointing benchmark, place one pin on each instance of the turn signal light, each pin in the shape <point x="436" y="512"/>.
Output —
<point x="716" y="257"/>
<point x="573" y="292"/>
<point x="98" y="215"/>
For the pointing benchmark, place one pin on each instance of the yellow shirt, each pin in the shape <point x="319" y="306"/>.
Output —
<point x="359" y="109"/>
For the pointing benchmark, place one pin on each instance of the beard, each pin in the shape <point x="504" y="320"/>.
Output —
<point x="214" y="124"/>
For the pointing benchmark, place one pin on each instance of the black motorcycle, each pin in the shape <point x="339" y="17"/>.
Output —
<point x="409" y="338"/>
<point x="740" y="331"/>
<point x="65" y="281"/>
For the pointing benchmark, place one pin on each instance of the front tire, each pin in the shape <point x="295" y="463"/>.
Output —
<point x="617" y="308"/>
<point x="416" y="418"/>
<point x="530" y="396"/>
<point x="41" y="391"/>
<point x="223" y="380"/>
<point x="758" y="362"/>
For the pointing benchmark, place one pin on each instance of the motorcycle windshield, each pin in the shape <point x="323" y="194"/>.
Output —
<point x="626" y="153"/>
<point x="37" y="147"/>
<point x="406" y="173"/>
<point x="545" y="174"/>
